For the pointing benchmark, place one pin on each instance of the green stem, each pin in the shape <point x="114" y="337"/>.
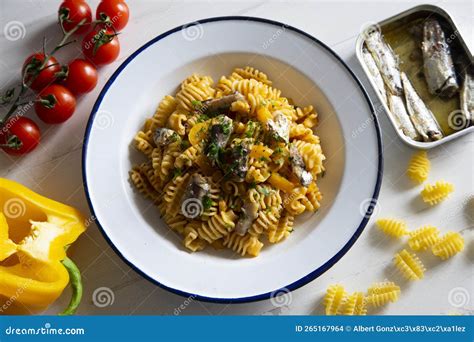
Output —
<point x="24" y="86"/>
<point x="76" y="285"/>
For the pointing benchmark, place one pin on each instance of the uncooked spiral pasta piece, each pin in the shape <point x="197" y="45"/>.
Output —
<point x="380" y="294"/>
<point x="143" y="142"/>
<point x="194" y="92"/>
<point x="188" y="157"/>
<point x="423" y="238"/>
<point x="166" y="106"/>
<point x="139" y="180"/>
<point x="355" y="305"/>
<point x="409" y="265"/>
<point x="419" y="167"/>
<point x="243" y="245"/>
<point x="218" y="226"/>
<point x="191" y="240"/>
<point x="334" y="299"/>
<point x="448" y="245"/>
<point x="173" y="192"/>
<point x="250" y="72"/>
<point x="436" y="193"/>
<point x="283" y="229"/>
<point x="177" y="122"/>
<point x="392" y="227"/>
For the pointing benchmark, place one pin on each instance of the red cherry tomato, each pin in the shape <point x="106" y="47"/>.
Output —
<point x="46" y="76"/>
<point x="74" y="11"/>
<point x="82" y="76"/>
<point x="55" y="104"/>
<point x="27" y="132"/>
<point x="117" y="12"/>
<point x="101" y="46"/>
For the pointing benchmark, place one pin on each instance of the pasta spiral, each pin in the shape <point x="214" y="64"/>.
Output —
<point x="193" y="92"/>
<point x="355" y="305"/>
<point x="448" y="245"/>
<point x="283" y="229"/>
<point x="191" y="240"/>
<point x="243" y="245"/>
<point x="409" y="265"/>
<point x="143" y="142"/>
<point x="423" y="238"/>
<point x="334" y="299"/>
<point x="392" y="227"/>
<point x="380" y="294"/>
<point x="217" y="226"/>
<point x="173" y="192"/>
<point x="419" y="167"/>
<point x="249" y="72"/>
<point x="139" y="180"/>
<point x="438" y="192"/>
<point x="166" y="106"/>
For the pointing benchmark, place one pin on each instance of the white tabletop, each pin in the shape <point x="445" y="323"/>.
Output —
<point x="54" y="169"/>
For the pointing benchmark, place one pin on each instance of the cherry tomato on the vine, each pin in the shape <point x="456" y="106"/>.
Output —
<point x="101" y="46"/>
<point x="27" y="135"/>
<point x="116" y="11"/>
<point x="47" y="74"/>
<point x="55" y="104"/>
<point x="73" y="12"/>
<point x="81" y="76"/>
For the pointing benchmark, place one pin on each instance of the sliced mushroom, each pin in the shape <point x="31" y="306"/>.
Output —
<point x="298" y="167"/>
<point x="279" y="127"/>
<point x="249" y="214"/>
<point x="221" y="105"/>
<point x="164" y="136"/>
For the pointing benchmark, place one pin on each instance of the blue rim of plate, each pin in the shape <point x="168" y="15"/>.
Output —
<point x="298" y="283"/>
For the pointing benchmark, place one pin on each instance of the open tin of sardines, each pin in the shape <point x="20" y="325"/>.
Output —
<point x="422" y="71"/>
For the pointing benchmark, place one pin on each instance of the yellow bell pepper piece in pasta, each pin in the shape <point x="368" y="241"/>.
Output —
<point x="419" y="167"/>
<point x="260" y="151"/>
<point x="198" y="133"/>
<point x="449" y="245"/>
<point x="409" y="265"/>
<point x="263" y="115"/>
<point x="392" y="227"/>
<point x="438" y="192"/>
<point x="281" y="183"/>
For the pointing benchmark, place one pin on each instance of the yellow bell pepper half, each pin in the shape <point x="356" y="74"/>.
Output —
<point x="34" y="234"/>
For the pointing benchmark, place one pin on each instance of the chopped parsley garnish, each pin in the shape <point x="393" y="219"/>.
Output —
<point x="184" y="144"/>
<point x="250" y="129"/>
<point x="264" y="191"/>
<point x="196" y="104"/>
<point x="206" y="203"/>
<point x="263" y="159"/>
<point x="177" y="172"/>
<point x="202" y="118"/>
<point x="252" y="185"/>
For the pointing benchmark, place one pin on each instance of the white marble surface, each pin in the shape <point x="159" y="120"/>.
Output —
<point x="54" y="169"/>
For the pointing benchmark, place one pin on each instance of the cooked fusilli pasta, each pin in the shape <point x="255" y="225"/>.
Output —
<point x="230" y="163"/>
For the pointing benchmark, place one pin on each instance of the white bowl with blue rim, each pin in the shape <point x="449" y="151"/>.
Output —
<point x="308" y="72"/>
